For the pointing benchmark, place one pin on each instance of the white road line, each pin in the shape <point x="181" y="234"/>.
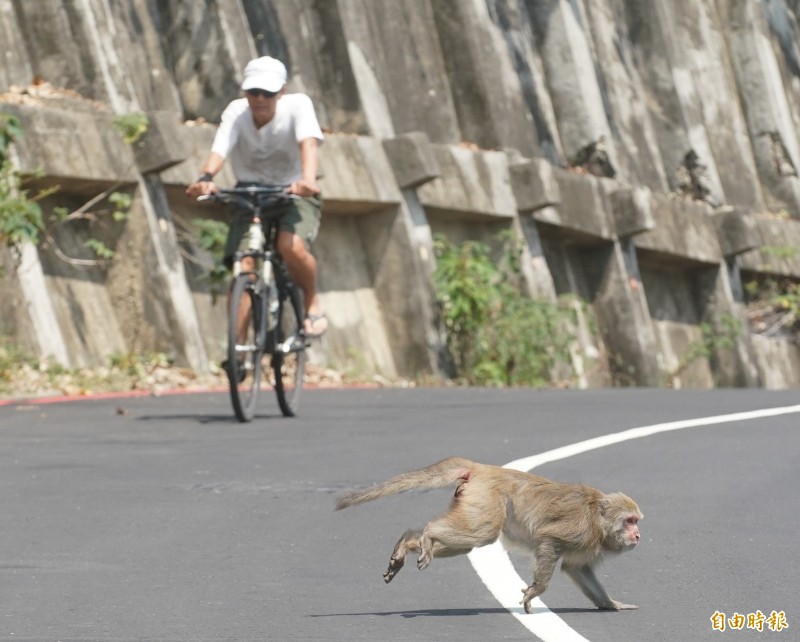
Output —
<point x="493" y="565"/>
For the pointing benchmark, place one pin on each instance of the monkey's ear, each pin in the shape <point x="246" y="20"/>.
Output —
<point x="608" y="503"/>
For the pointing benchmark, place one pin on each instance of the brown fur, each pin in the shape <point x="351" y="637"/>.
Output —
<point x="546" y="519"/>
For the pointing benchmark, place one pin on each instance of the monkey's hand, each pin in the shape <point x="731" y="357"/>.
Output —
<point x="617" y="606"/>
<point x="424" y="560"/>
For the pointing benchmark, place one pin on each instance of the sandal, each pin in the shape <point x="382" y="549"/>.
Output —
<point x="315" y="325"/>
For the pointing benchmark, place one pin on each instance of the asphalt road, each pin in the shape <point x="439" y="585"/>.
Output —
<point x="161" y="518"/>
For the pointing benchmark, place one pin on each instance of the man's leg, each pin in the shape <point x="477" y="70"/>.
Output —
<point x="303" y="270"/>
<point x="236" y="232"/>
<point x="248" y="265"/>
<point x="298" y="229"/>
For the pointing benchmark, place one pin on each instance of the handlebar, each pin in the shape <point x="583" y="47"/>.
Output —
<point x="253" y="197"/>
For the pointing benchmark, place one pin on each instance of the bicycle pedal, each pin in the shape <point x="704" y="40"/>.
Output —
<point x="293" y="344"/>
<point x="242" y="371"/>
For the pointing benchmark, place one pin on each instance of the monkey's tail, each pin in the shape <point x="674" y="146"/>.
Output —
<point x="444" y="473"/>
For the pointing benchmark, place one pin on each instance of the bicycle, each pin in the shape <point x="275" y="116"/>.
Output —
<point x="265" y="310"/>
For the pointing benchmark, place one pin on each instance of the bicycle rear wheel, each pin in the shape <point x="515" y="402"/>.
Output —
<point x="289" y="357"/>
<point x="246" y="349"/>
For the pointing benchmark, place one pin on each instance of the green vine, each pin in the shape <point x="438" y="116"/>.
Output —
<point x="495" y="334"/>
<point x="20" y="214"/>
<point x="10" y="131"/>
<point x="210" y="235"/>
<point x="21" y="217"/>
<point x="717" y="336"/>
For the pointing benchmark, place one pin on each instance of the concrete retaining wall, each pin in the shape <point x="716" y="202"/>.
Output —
<point x="448" y="117"/>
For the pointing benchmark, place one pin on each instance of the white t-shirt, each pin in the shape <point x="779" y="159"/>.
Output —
<point x="271" y="154"/>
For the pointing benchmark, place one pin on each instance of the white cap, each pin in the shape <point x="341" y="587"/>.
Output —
<point x="264" y="73"/>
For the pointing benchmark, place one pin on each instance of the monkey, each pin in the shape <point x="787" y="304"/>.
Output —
<point x="545" y="519"/>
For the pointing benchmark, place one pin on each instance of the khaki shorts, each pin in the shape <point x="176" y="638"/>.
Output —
<point x="300" y="216"/>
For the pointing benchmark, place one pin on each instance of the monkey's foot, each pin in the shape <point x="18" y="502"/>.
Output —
<point x="424" y="560"/>
<point x="527" y="595"/>
<point x="395" y="564"/>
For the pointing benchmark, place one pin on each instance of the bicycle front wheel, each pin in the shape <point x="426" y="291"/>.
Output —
<point x="245" y="344"/>
<point x="289" y="357"/>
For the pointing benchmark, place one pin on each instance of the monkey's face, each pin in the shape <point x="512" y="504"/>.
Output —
<point x="621" y="516"/>
<point x="624" y="534"/>
<point x="630" y="531"/>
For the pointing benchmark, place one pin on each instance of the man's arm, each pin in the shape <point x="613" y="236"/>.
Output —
<point x="205" y="183"/>
<point x="309" y="162"/>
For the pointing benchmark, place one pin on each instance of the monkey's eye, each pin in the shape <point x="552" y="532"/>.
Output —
<point x="631" y="521"/>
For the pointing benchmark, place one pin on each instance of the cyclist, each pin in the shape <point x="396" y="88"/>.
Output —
<point x="273" y="138"/>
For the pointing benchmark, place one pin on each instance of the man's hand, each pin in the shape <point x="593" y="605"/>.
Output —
<point x="201" y="188"/>
<point x="304" y="188"/>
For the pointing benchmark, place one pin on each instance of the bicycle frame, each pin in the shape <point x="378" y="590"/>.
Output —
<point x="265" y="289"/>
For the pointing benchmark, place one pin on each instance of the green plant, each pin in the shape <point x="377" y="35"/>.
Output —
<point x="780" y="252"/>
<point x="137" y="364"/>
<point x="132" y="126"/>
<point x="355" y="364"/>
<point x="12" y="358"/>
<point x="210" y="235"/>
<point x="18" y="365"/>
<point x="495" y="334"/>
<point x="119" y="204"/>
<point x="773" y="306"/>
<point x="466" y="284"/>
<point x="21" y="217"/>
<point x="10" y="131"/>
<point x="122" y="205"/>
<point x="23" y="374"/>
<point x="716" y="336"/>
